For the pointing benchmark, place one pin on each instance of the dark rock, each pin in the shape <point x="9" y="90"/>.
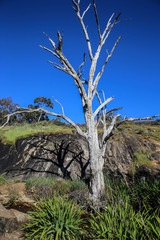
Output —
<point x="8" y="221"/>
<point x="66" y="156"/>
<point x="11" y="220"/>
<point x="156" y="156"/>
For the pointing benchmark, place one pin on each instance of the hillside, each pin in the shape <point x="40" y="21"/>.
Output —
<point x="54" y="149"/>
<point x="10" y="134"/>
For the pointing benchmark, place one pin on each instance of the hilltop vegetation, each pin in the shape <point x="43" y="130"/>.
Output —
<point x="11" y="133"/>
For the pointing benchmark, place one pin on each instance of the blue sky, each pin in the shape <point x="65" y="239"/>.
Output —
<point x="132" y="75"/>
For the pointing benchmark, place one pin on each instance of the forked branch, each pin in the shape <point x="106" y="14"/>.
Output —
<point x="65" y="65"/>
<point x="108" y="133"/>
<point x="97" y="20"/>
<point x="102" y="105"/>
<point x="96" y="81"/>
<point x="77" y="9"/>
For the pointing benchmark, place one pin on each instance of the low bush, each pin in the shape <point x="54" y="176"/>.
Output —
<point x="47" y="187"/>
<point x="2" y="179"/>
<point x="54" y="219"/>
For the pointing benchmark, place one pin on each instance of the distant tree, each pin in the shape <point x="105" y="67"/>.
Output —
<point x="43" y="102"/>
<point x="33" y="116"/>
<point x="7" y="107"/>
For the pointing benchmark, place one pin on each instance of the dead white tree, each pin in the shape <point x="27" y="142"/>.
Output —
<point x="96" y="145"/>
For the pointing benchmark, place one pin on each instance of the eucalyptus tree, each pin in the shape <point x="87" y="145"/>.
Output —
<point x="88" y="91"/>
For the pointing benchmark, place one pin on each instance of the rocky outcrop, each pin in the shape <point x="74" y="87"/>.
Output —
<point x="11" y="220"/>
<point x="66" y="156"/>
<point x="14" y="205"/>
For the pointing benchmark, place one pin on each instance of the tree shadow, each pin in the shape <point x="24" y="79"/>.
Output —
<point x="61" y="154"/>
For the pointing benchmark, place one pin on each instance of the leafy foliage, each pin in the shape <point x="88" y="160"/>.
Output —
<point x="7" y="106"/>
<point x="56" y="218"/>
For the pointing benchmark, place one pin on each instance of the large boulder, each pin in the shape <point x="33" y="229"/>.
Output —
<point x="10" y="221"/>
<point x="66" y="156"/>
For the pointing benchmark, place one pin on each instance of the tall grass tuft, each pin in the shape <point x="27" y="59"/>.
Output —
<point x="56" y="218"/>
<point x="2" y="179"/>
<point x="147" y="193"/>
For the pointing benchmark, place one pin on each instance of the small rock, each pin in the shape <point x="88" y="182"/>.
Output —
<point x="8" y="221"/>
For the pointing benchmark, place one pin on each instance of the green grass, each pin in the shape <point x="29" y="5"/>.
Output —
<point x="10" y="134"/>
<point x="2" y="179"/>
<point x="47" y="187"/>
<point x="140" y="159"/>
<point x="130" y="213"/>
<point x="148" y="131"/>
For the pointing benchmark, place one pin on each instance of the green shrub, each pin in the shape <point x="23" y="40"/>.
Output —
<point x="54" y="219"/>
<point x="39" y="182"/>
<point x="2" y="179"/>
<point x="47" y="187"/>
<point x="140" y="159"/>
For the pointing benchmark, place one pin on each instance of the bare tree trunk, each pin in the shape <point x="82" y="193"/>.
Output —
<point x="97" y="188"/>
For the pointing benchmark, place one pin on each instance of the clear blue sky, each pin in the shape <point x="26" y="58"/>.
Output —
<point x="132" y="75"/>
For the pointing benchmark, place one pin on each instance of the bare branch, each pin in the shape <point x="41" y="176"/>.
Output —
<point x="56" y="65"/>
<point x="60" y="41"/>
<point x="96" y="15"/>
<point x="84" y="60"/>
<point x="8" y="116"/>
<point x="109" y="131"/>
<point x="136" y="119"/>
<point x="109" y="29"/>
<point x="52" y="42"/>
<point x="99" y="99"/>
<point x="59" y="104"/>
<point x="107" y="26"/>
<point x="96" y="81"/>
<point x="47" y="49"/>
<point x="67" y="67"/>
<point x="5" y="122"/>
<point x="101" y="106"/>
<point x="77" y="9"/>
<point x="142" y="118"/>
<point x="86" y="11"/>
<point x="28" y="110"/>
<point x="113" y="110"/>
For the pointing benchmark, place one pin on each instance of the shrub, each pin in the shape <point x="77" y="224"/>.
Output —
<point x="2" y="179"/>
<point x="56" y="218"/>
<point x="39" y="182"/>
<point x="47" y="187"/>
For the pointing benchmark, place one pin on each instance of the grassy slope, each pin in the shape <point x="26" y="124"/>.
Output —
<point x="10" y="134"/>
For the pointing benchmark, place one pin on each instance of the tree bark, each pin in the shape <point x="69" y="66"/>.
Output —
<point x="96" y="188"/>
